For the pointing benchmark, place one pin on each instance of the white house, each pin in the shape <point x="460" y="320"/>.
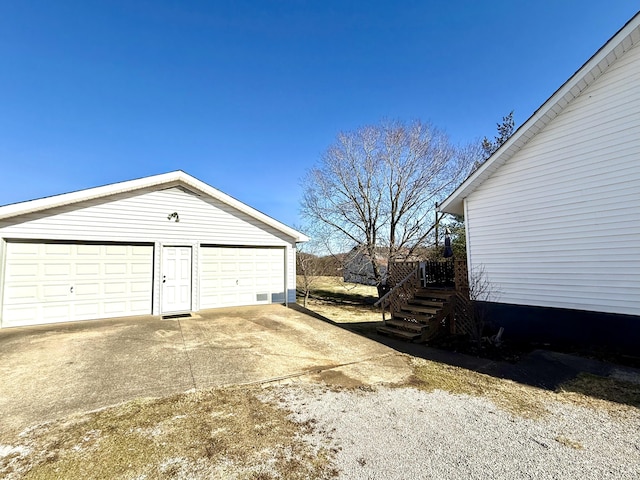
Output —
<point x="159" y="245"/>
<point x="358" y="267"/>
<point x="553" y="217"/>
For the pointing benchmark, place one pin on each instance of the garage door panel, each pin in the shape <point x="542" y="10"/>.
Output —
<point x="46" y="283"/>
<point x="86" y="311"/>
<point x="21" y="269"/>
<point x="119" y="288"/>
<point x="55" y="313"/>
<point x="228" y="267"/>
<point x="233" y="276"/>
<point x="21" y="250"/>
<point x="57" y="250"/>
<point x="92" y="250"/>
<point x="21" y="314"/>
<point x="21" y="294"/>
<point x="57" y="270"/>
<point x="139" y="307"/>
<point x="140" y="251"/>
<point x="246" y="298"/>
<point x="115" y="269"/>
<point x="142" y="269"/>
<point x="115" y="308"/>
<point x="52" y="293"/>
<point x="141" y="286"/>
<point x="88" y="269"/>
<point x="120" y="250"/>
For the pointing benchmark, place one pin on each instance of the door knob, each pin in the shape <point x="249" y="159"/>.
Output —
<point x="164" y="278"/>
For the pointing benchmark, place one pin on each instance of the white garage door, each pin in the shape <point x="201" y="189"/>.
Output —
<point x="231" y="276"/>
<point x="54" y="282"/>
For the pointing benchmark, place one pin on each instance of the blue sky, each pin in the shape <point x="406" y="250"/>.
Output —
<point x="246" y="95"/>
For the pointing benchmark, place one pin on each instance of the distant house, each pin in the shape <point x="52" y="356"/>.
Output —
<point x="553" y="217"/>
<point x="358" y="267"/>
<point x="153" y="246"/>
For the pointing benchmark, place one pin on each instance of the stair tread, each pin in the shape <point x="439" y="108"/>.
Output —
<point x="420" y="309"/>
<point x="433" y="294"/>
<point x="427" y="303"/>
<point x="418" y="317"/>
<point x="399" y="323"/>
<point x="399" y="333"/>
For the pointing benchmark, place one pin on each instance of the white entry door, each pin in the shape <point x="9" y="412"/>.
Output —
<point x="176" y="279"/>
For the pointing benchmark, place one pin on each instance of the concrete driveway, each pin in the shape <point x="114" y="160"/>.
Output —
<point x="55" y="370"/>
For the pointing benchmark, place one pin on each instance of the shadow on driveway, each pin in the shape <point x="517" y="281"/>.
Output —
<point x="539" y="368"/>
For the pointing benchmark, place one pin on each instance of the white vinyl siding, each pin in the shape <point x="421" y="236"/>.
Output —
<point x="558" y="225"/>
<point x="58" y="282"/>
<point x="241" y="276"/>
<point x="142" y="216"/>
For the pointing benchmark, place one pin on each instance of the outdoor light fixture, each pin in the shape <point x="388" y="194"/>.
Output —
<point x="173" y="216"/>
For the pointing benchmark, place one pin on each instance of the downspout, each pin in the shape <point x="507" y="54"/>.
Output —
<point x="3" y="255"/>
<point x="286" y="276"/>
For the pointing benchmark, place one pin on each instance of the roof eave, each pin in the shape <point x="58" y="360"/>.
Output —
<point x="169" y="179"/>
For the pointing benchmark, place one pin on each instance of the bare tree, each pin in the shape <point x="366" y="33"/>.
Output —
<point x="311" y="268"/>
<point x="307" y="266"/>
<point x="375" y="187"/>
<point x="481" y="290"/>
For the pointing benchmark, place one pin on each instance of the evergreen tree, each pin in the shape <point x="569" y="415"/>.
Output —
<point x="505" y="130"/>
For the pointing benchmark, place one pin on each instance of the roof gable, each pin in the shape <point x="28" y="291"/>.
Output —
<point x="177" y="178"/>
<point x="625" y="39"/>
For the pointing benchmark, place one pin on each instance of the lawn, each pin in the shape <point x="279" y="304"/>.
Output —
<point x="219" y="433"/>
<point x="342" y="302"/>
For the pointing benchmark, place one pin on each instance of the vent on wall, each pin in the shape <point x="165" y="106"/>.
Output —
<point x="176" y="315"/>
<point x="262" y="297"/>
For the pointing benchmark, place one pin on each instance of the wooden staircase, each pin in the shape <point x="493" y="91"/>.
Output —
<point x="421" y="317"/>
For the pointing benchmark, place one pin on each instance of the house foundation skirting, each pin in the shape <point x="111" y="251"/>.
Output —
<point x="584" y="330"/>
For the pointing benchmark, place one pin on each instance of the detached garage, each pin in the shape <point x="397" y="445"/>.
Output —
<point x="159" y="245"/>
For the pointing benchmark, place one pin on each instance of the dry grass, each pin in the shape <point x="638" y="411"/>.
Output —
<point x="608" y="394"/>
<point x="337" y="286"/>
<point x="617" y="398"/>
<point x="518" y="399"/>
<point x="231" y="433"/>
<point x="343" y="302"/>
<point x="567" y="442"/>
<point x="225" y="433"/>
<point x="341" y="313"/>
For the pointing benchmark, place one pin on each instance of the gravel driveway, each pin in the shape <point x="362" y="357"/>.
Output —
<point x="404" y="433"/>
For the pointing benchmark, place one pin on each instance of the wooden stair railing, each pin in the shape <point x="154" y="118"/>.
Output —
<point x="423" y="316"/>
<point x="417" y="314"/>
<point x="422" y="304"/>
<point x="395" y="298"/>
